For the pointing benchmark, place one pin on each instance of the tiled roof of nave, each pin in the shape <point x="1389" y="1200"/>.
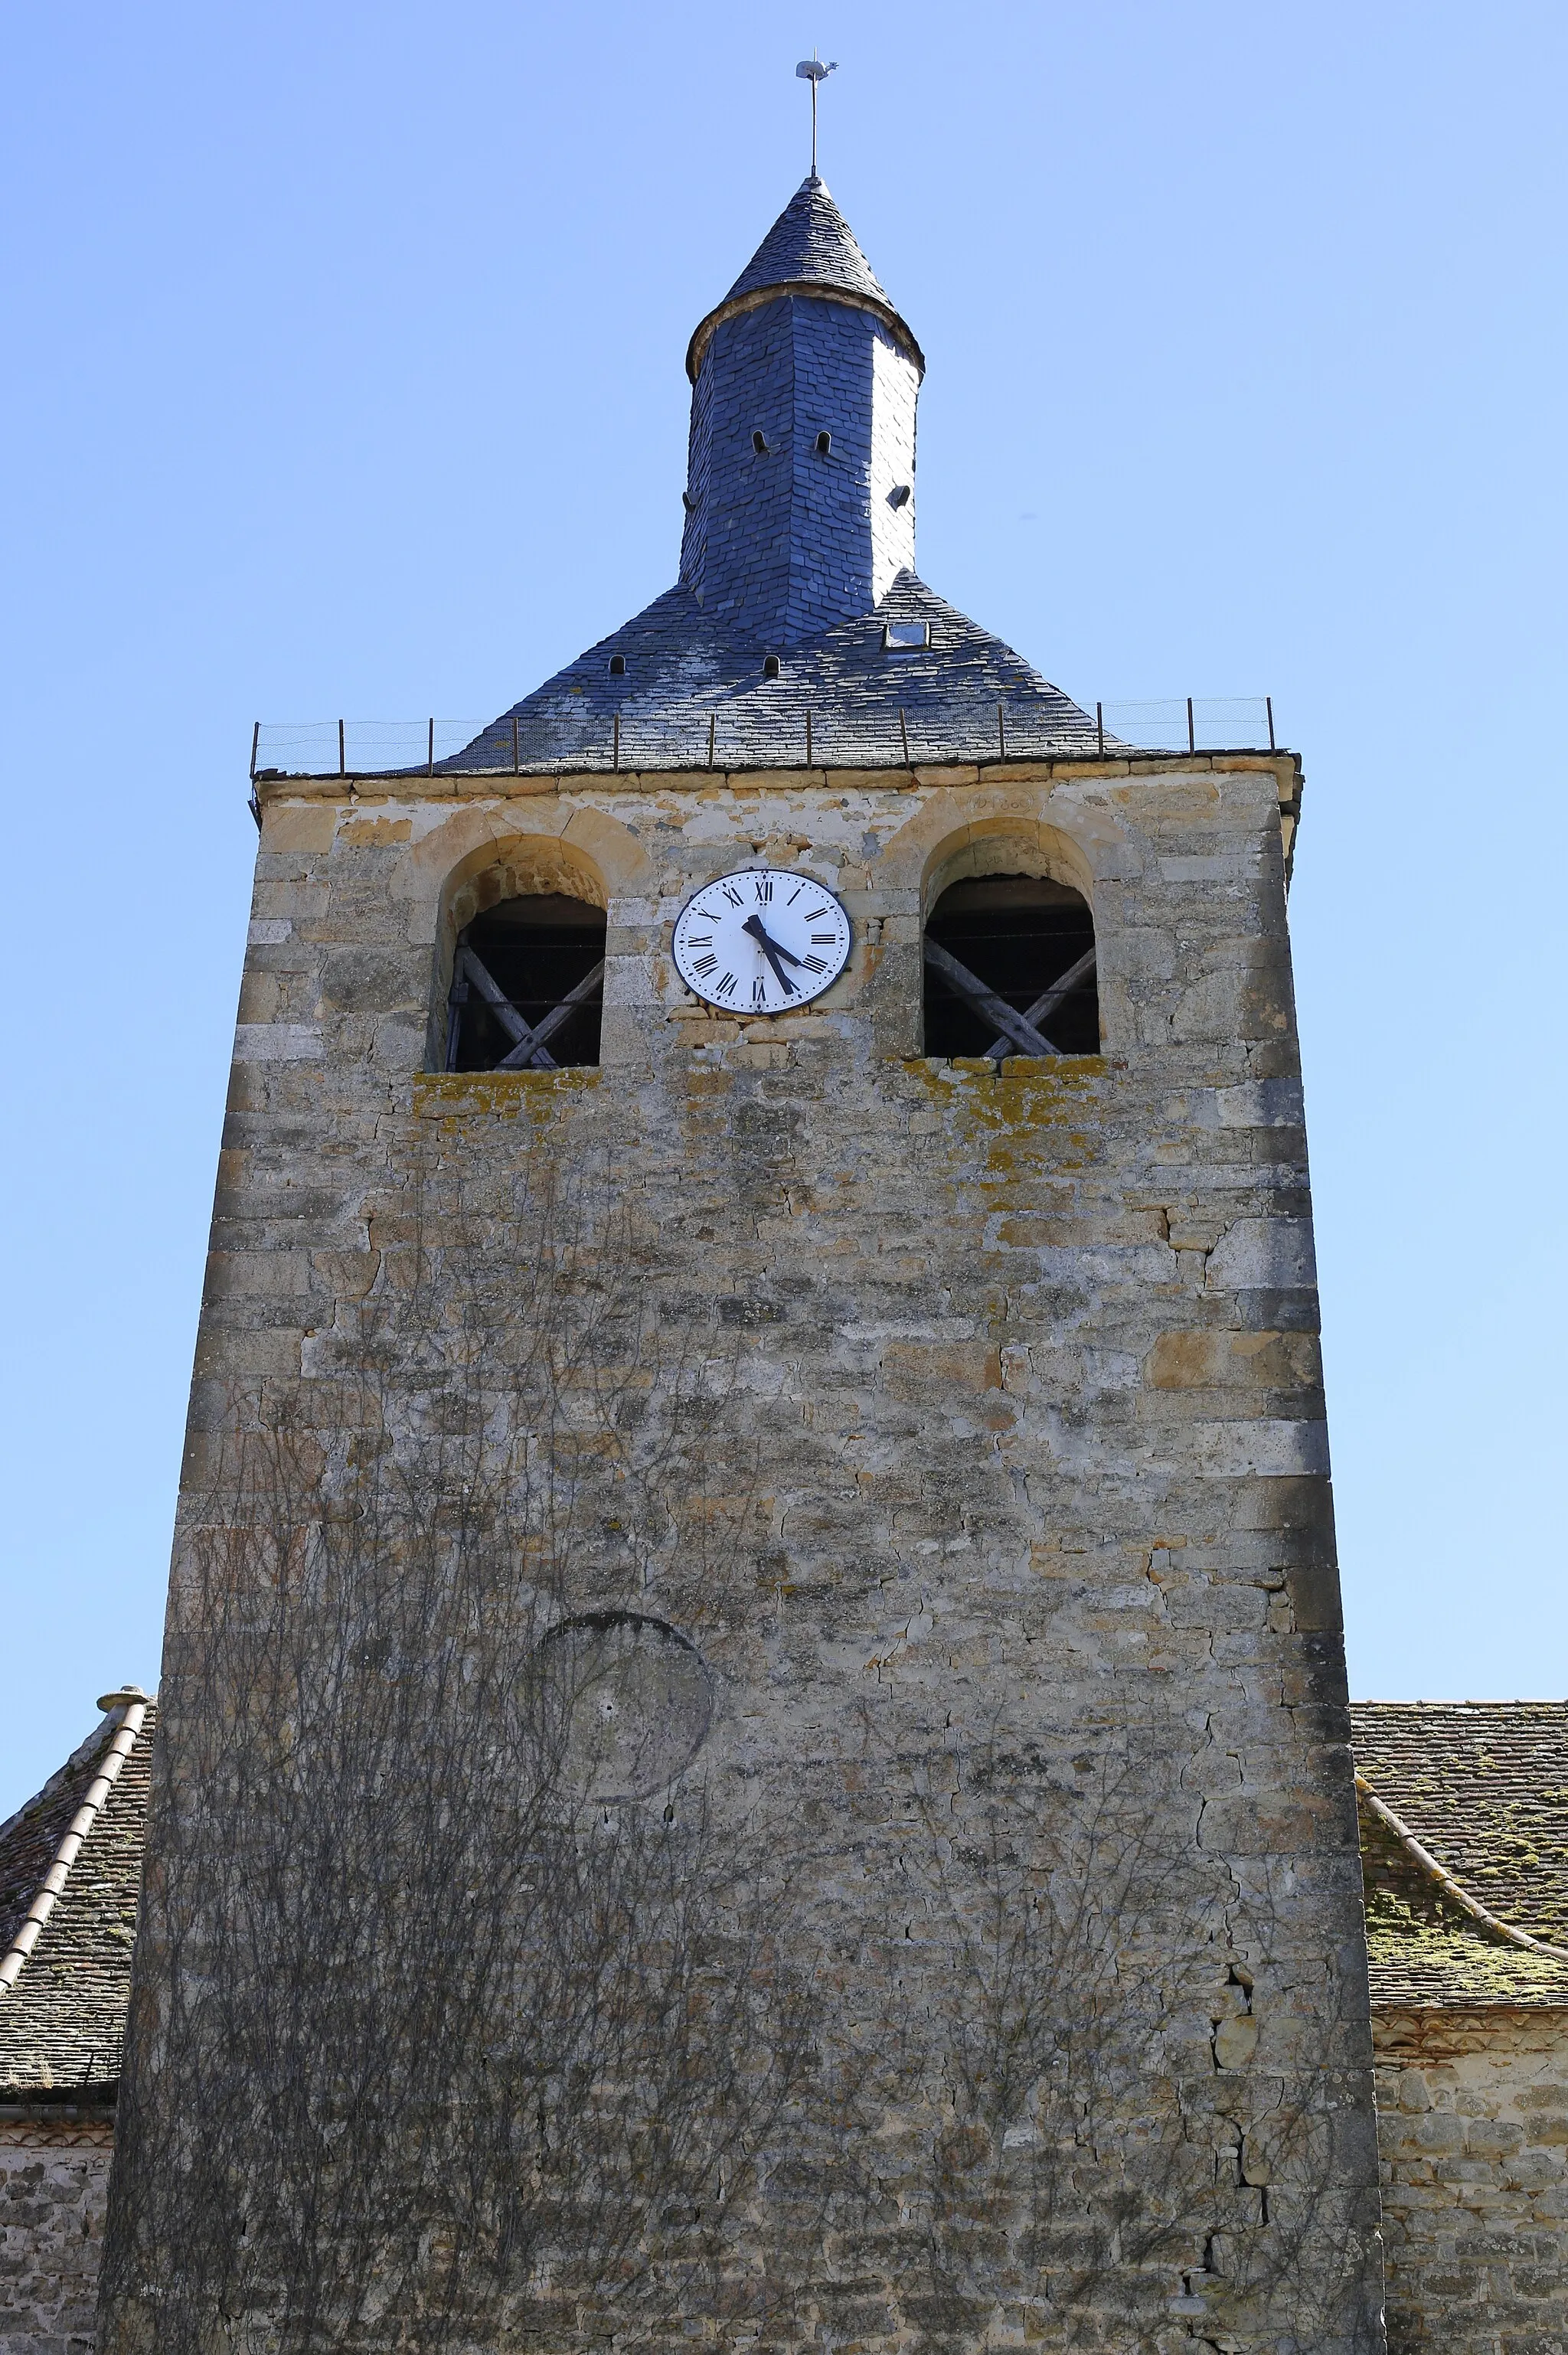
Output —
<point x="62" y="2024"/>
<point x="1483" y="1787"/>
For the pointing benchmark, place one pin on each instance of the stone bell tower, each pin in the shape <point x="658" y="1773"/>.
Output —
<point x="754" y="1741"/>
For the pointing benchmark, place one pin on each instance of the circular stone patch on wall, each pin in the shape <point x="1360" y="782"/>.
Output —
<point x="626" y="1703"/>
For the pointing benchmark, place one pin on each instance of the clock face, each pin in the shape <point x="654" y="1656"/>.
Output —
<point x="760" y="941"/>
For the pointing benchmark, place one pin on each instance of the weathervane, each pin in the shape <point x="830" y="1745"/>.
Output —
<point x="813" y="71"/>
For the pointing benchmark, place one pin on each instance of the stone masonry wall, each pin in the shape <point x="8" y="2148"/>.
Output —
<point x="1009" y="1612"/>
<point x="54" y="2185"/>
<point x="1472" y="2142"/>
<point x="1473" y="2139"/>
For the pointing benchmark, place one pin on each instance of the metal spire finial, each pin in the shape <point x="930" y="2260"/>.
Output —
<point x="813" y="71"/>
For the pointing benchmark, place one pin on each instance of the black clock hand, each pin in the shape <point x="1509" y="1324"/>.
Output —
<point x="766" y="941"/>
<point x="780" y="976"/>
<point x="753" y="925"/>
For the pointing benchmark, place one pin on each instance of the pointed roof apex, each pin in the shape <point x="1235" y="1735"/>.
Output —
<point x="810" y="243"/>
<point x="810" y="249"/>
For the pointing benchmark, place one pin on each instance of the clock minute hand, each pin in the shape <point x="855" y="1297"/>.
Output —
<point x="760" y="934"/>
<point x="772" y="949"/>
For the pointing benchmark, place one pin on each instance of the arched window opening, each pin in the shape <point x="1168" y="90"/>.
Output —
<point x="528" y="985"/>
<point x="824" y="445"/>
<point x="1009" y="970"/>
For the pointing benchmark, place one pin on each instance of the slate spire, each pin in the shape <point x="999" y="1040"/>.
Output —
<point x="811" y="242"/>
<point x="799" y="619"/>
<point x="812" y="247"/>
<point x="800" y="481"/>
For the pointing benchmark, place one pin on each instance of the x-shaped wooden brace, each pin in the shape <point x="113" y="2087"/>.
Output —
<point x="1021" y="1034"/>
<point x="530" y="1045"/>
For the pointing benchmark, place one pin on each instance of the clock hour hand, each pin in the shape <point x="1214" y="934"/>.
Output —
<point x="772" y="949"/>
<point x="766" y="941"/>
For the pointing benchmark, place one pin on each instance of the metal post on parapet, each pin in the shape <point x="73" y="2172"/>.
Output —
<point x="1191" y="731"/>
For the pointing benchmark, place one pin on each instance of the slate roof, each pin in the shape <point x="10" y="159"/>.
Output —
<point x="694" y="685"/>
<point x="810" y="243"/>
<point x="810" y="247"/>
<point x="1483" y="1787"/>
<point x="685" y="679"/>
<point x="62" y="2023"/>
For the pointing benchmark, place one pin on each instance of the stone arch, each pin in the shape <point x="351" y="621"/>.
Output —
<point x="518" y="866"/>
<point x="477" y="858"/>
<point x="1037" y="823"/>
<point x="1021" y="831"/>
<point x="589" y="845"/>
<point x="1004" y="844"/>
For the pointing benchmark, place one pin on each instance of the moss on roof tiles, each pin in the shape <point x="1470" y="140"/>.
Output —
<point x="1483" y="1785"/>
<point x="63" y="2023"/>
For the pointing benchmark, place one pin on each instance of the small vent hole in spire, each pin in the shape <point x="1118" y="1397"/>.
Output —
<point x="824" y="445"/>
<point x="900" y="498"/>
<point x="760" y="445"/>
<point x="770" y="666"/>
<point x="617" y="666"/>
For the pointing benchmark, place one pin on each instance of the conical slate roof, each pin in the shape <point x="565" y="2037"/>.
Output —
<point x="810" y="247"/>
<point x="810" y="243"/>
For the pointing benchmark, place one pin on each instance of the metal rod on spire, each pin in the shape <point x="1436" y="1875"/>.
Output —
<point x="813" y="71"/>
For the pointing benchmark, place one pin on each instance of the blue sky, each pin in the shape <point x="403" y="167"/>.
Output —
<point x="344" y="376"/>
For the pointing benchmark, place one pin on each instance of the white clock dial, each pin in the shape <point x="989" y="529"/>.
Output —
<point x="760" y="941"/>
